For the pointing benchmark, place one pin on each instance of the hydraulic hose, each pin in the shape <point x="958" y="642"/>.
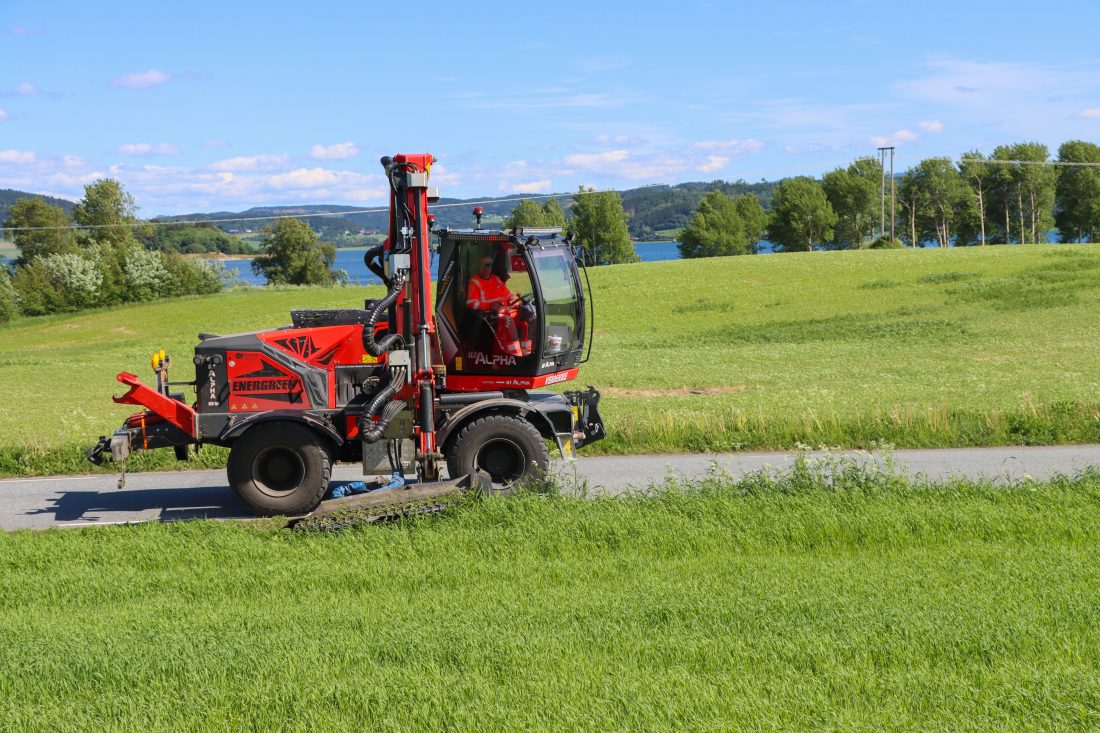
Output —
<point x="392" y="341"/>
<point x="370" y="259"/>
<point x="384" y="396"/>
<point x="375" y="434"/>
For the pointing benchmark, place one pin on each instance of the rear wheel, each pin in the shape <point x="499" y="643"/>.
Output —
<point x="509" y="449"/>
<point x="280" y="468"/>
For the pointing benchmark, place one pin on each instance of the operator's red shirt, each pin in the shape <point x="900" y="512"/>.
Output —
<point x="482" y="293"/>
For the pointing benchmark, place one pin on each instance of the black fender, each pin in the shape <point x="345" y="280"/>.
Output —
<point x="235" y="429"/>
<point x="549" y="416"/>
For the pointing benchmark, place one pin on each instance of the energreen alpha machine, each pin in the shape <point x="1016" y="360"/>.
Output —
<point x="446" y="382"/>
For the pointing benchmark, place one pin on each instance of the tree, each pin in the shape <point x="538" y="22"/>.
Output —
<point x="110" y="214"/>
<point x="753" y="218"/>
<point x="854" y="193"/>
<point x="942" y="199"/>
<point x="530" y="214"/>
<point x="55" y="238"/>
<point x="716" y="229"/>
<point x="599" y="225"/>
<point x="1077" y="195"/>
<point x="552" y="213"/>
<point x="909" y="203"/>
<point x="801" y="215"/>
<point x="1025" y="188"/>
<point x="978" y="175"/>
<point x="292" y="256"/>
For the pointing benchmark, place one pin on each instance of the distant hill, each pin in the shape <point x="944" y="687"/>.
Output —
<point x="9" y="196"/>
<point x="651" y="209"/>
<point x="654" y="211"/>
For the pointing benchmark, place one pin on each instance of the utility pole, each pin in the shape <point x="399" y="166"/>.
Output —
<point x="893" y="196"/>
<point x="882" y="192"/>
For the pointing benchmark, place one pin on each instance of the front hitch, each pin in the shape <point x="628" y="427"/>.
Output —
<point x="588" y="425"/>
<point x="95" y="453"/>
<point x="115" y="448"/>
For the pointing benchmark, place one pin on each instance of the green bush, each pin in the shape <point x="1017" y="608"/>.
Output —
<point x="8" y="307"/>
<point x="884" y="243"/>
<point x="192" y="276"/>
<point x="146" y="276"/>
<point x="35" y="290"/>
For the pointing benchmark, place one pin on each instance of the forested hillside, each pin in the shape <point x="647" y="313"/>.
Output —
<point x="9" y="196"/>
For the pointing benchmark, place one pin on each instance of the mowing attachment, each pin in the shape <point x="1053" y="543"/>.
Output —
<point x="387" y="504"/>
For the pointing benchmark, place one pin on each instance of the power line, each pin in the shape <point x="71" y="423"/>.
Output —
<point x="995" y="161"/>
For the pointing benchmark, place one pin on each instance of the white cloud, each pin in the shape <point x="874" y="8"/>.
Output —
<point x="1092" y="113"/>
<point x="18" y="157"/>
<point x="3" y="114"/>
<point x="252" y="163"/>
<point x="931" y="126"/>
<point x="714" y="163"/>
<point x="623" y="164"/>
<point x="897" y="138"/>
<point x="596" y="161"/>
<point x="303" y="178"/>
<point x="542" y="186"/>
<point x="339" y="151"/>
<point x="731" y="146"/>
<point x="146" y="149"/>
<point x="143" y="80"/>
<point x="26" y="89"/>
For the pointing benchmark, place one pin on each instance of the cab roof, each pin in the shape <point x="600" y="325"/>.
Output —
<point x="504" y="235"/>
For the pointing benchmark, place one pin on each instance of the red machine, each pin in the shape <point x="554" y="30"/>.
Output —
<point x="454" y="376"/>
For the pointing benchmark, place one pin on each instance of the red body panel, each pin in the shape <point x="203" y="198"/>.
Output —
<point x="480" y="383"/>
<point x="258" y="383"/>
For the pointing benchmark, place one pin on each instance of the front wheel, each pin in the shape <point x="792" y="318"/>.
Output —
<point x="509" y="449"/>
<point x="280" y="468"/>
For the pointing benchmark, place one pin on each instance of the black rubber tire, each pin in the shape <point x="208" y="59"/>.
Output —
<point x="280" y="468"/>
<point x="509" y="449"/>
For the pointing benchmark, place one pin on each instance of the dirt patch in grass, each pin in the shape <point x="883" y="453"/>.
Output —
<point x="674" y="392"/>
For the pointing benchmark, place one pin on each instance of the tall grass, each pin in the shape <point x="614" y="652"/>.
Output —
<point x="977" y="346"/>
<point x="820" y="599"/>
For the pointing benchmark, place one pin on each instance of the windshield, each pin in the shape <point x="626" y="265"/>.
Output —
<point x="554" y="268"/>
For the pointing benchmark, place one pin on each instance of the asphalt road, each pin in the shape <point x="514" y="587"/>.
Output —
<point x="66" y="501"/>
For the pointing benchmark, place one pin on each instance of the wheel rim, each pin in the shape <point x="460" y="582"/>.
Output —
<point x="278" y="471"/>
<point x="503" y="459"/>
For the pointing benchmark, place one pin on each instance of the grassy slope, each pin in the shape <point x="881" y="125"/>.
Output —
<point x="866" y="605"/>
<point x="915" y="348"/>
<point x="918" y="348"/>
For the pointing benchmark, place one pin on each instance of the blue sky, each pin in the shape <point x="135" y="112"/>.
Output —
<point x="205" y="106"/>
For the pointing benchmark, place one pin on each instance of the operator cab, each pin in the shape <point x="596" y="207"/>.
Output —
<point x="542" y="329"/>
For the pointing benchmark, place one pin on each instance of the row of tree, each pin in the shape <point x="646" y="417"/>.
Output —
<point x="100" y="261"/>
<point x="1015" y="195"/>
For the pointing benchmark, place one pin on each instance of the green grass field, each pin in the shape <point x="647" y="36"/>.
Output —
<point x="975" y="346"/>
<point x="816" y="601"/>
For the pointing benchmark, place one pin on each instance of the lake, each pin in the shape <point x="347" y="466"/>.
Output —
<point x="351" y="261"/>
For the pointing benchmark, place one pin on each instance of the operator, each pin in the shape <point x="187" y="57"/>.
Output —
<point x="487" y="294"/>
